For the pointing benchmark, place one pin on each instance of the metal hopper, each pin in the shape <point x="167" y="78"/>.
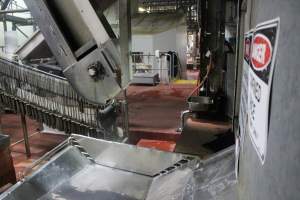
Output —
<point x="87" y="168"/>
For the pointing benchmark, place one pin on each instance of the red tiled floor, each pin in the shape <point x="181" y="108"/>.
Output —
<point x="40" y="143"/>
<point x="11" y="125"/>
<point x="154" y="111"/>
<point x="192" y="74"/>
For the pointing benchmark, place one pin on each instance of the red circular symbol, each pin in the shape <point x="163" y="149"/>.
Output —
<point x="261" y="54"/>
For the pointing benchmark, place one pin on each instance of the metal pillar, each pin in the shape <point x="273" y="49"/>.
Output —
<point x="125" y="46"/>
<point x="213" y="35"/>
<point x="125" y="115"/>
<point x="1" y="113"/>
<point x="278" y="177"/>
<point x="125" y="40"/>
<point x="4" y="23"/>
<point x="25" y="135"/>
<point x="241" y="10"/>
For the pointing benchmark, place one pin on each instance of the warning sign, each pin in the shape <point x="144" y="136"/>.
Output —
<point x="261" y="61"/>
<point x="243" y="112"/>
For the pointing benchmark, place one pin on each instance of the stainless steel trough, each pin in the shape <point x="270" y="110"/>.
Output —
<point x="199" y="103"/>
<point x="86" y="168"/>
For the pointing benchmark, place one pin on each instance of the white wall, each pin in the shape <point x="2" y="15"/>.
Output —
<point x="165" y="41"/>
<point x="172" y="40"/>
<point x="143" y="43"/>
<point x="181" y="45"/>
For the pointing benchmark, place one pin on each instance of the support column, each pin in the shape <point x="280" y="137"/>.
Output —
<point x="1" y="113"/>
<point x="125" y="114"/>
<point x="25" y="135"/>
<point x="125" y="40"/>
<point x="125" y="46"/>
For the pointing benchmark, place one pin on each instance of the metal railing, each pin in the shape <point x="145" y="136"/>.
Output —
<point x="148" y="63"/>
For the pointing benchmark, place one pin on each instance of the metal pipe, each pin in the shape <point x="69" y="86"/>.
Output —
<point x="25" y="134"/>
<point x="22" y="140"/>
<point x="46" y="156"/>
<point x="1" y="114"/>
<point x="126" y="114"/>
<point x="17" y="20"/>
<point x="13" y="11"/>
<point x="4" y="24"/>
<point x="182" y="119"/>
<point x="17" y="28"/>
<point x="170" y="67"/>
<point x="108" y="108"/>
<point x="173" y="64"/>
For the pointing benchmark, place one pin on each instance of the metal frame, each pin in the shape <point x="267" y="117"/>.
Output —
<point x="105" y="52"/>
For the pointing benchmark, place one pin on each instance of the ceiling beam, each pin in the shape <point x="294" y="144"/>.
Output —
<point x="5" y="4"/>
<point x="17" y="20"/>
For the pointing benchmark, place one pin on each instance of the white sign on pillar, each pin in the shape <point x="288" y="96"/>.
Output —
<point x="243" y="112"/>
<point x="262" y="61"/>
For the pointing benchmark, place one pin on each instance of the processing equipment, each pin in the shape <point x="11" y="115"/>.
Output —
<point x="50" y="99"/>
<point x="69" y="72"/>
<point x="87" y="168"/>
<point x="95" y="70"/>
<point x="87" y="52"/>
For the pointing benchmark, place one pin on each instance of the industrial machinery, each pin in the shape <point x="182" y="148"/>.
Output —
<point x="51" y="100"/>
<point x="87" y="52"/>
<point x="86" y="168"/>
<point x="208" y="99"/>
<point x="73" y="91"/>
<point x="82" y="101"/>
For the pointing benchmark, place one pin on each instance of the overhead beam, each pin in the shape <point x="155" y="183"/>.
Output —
<point x="18" y="20"/>
<point x="102" y="4"/>
<point x="13" y="11"/>
<point x="22" y="32"/>
<point x="5" y="4"/>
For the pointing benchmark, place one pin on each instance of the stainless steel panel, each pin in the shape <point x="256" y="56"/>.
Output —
<point x="34" y="48"/>
<point x="53" y="35"/>
<point x="129" y="157"/>
<point x="73" y="20"/>
<point x="102" y="184"/>
<point x="145" y="78"/>
<point x="70" y="175"/>
<point x="97" y="91"/>
<point x="68" y="26"/>
<point x="199" y="103"/>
